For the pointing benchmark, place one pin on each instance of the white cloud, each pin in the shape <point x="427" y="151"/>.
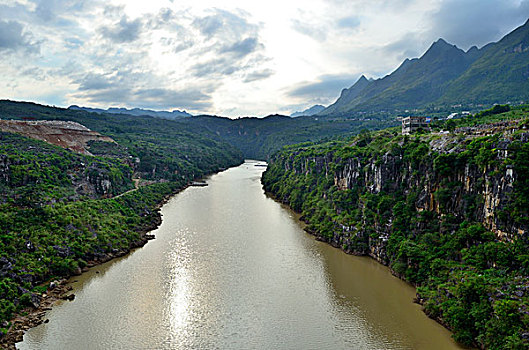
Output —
<point x="239" y="57"/>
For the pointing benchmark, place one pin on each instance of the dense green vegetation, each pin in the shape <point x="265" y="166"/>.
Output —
<point x="56" y="215"/>
<point x="498" y="75"/>
<point x="54" y="218"/>
<point x="467" y="277"/>
<point x="166" y="149"/>
<point x="497" y="114"/>
<point x="60" y="211"/>
<point x="55" y="210"/>
<point x="34" y="173"/>
<point x="259" y="138"/>
<point x="170" y="148"/>
<point x="43" y="243"/>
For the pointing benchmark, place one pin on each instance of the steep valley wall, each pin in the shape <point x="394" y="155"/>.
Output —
<point x="440" y="210"/>
<point x="456" y="189"/>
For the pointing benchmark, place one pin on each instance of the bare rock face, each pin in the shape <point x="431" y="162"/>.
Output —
<point x="66" y="134"/>
<point x="487" y="190"/>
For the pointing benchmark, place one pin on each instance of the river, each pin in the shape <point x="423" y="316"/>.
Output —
<point x="231" y="268"/>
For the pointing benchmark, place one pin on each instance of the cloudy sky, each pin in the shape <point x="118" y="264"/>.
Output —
<point x="230" y="57"/>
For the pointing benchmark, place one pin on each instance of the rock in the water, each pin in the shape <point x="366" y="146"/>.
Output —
<point x="69" y="297"/>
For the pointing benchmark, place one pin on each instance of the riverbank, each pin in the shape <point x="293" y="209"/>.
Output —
<point x="243" y="276"/>
<point x="425" y="208"/>
<point x="59" y="290"/>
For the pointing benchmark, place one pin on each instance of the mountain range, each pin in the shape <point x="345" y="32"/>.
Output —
<point x="176" y="114"/>
<point x="446" y="75"/>
<point x="308" y="112"/>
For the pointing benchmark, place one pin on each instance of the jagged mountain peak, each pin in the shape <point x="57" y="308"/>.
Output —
<point x="441" y="47"/>
<point x="308" y="112"/>
<point x="441" y="41"/>
<point x="472" y="49"/>
<point x="361" y="79"/>
<point x="359" y="84"/>
<point x="446" y="75"/>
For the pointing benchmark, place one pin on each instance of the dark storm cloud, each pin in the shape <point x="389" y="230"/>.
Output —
<point x="478" y="22"/>
<point x="123" y="31"/>
<point x="325" y="88"/>
<point x="13" y="37"/>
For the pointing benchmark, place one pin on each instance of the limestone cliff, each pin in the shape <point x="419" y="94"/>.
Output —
<point x="486" y="189"/>
<point x="447" y="212"/>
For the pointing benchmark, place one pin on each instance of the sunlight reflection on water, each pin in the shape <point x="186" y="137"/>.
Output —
<point x="232" y="269"/>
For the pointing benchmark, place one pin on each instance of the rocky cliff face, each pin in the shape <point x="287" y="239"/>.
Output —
<point x="92" y="180"/>
<point x="437" y="180"/>
<point x="36" y="172"/>
<point x="447" y="213"/>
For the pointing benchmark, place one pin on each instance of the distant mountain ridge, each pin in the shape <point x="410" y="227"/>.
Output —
<point x="308" y="112"/>
<point x="446" y="75"/>
<point x="176" y="114"/>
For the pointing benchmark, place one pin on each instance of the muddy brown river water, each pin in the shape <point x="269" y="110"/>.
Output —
<point x="231" y="268"/>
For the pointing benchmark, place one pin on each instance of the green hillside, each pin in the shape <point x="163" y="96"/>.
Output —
<point x="166" y="149"/>
<point x="501" y="74"/>
<point x="446" y="76"/>
<point x="185" y="146"/>
<point x="61" y="211"/>
<point x="258" y="138"/>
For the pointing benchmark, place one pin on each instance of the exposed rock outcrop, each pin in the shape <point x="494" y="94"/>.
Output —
<point x="66" y="134"/>
<point x="480" y="192"/>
